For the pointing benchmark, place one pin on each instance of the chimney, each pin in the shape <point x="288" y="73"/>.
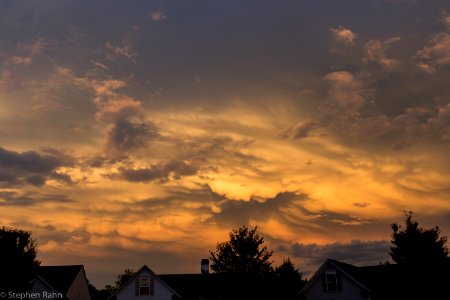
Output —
<point x="204" y="266"/>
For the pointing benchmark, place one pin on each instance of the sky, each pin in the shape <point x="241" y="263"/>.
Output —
<point x="143" y="132"/>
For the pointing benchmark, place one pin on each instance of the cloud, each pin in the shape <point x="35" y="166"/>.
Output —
<point x="357" y="252"/>
<point x="118" y="109"/>
<point x="158" y="15"/>
<point x="124" y="50"/>
<point x="345" y="91"/>
<point x="376" y="52"/>
<point x="299" y="131"/>
<point x="441" y="121"/>
<point x="31" y="167"/>
<point x="437" y="52"/>
<point x="446" y="19"/>
<point x="344" y="35"/>
<point x="370" y="127"/>
<point x="99" y="65"/>
<point x="237" y="212"/>
<point x="426" y="68"/>
<point x="13" y="198"/>
<point x="124" y="136"/>
<point x="20" y="60"/>
<point x="360" y="204"/>
<point x="31" y="52"/>
<point x="10" y="80"/>
<point x="173" y="169"/>
<point x="48" y="107"/>
<point x="34" y="162"/>
<point x="126" y="126"/>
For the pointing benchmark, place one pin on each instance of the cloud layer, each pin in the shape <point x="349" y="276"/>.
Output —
<point x="123" y="133"/>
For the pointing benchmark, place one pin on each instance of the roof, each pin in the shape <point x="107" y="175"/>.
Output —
<point x="60" y="278"/>
<point x="391" y="281"/>
<point x="144" y="268"/>
<point x="194" y="286"/>
<point x="371" y="276"/>
<point x="350" y="270"/>
<point x="235" y="286"/>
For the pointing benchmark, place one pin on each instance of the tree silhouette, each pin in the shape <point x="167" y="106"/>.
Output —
<point x="417" y="246"/>
<point x="97" y="294"/>
<point x="109" y="289"/>
<point x="245" y="252"/>
<point x="288" y="279"/>
<point x="122" y="278"/>
<point x="18" y="263"/>
<point x="287" y="271"/>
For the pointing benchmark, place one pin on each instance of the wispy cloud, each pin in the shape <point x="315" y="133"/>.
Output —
<point x="158" y="15"/>
<point x="437" y="53"/>
<point x="376" y="52"/>
<point x="345" y="91"/>
<point x="30" y="52"/>
<point x="344" y="35"/>
<point x="125" y="51"/>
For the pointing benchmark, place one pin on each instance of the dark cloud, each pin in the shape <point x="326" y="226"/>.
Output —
<point x="299" y="131"/>
<point x="142" y="175"/>
<point x="62" y="177"/>
<point x="31" y="161"/>
<point x="238" y="212"/>
<point x="356" y="252"/>
<point x="36" y="180"/>
<point x="376" y="53"/>
<point x="32" y="167"/>
<point x="349" y="225"/>
<point x="173" y="169"/>
<point x="203" y="195"/>
<point x="100" y="161"/>
<point x="360" y="204"/>
<point x="287" y="208"/>
<point x="370" y="108"/>
<point x="125" y="135"/>
<point x="8" y="198"/>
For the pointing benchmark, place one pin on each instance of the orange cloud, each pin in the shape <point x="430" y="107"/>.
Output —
<point x="344" y="35"/>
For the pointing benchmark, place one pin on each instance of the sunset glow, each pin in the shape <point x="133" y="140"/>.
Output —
<point x="143" y="132"/>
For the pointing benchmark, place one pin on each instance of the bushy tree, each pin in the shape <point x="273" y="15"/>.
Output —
<point x="245" y="252"/>
<point x="287" y="271"/>
<point x="122" y="278"/>
<point x="109" y="289"/>
<point x="414" y="245"/>
<point x="18" y="263"/>
<point x="289" y="280"/>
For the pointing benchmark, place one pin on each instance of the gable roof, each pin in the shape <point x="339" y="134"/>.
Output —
<point x="349" y="270"/>
<point x="190" y="286"/>
<point x="196" y="286"/>
<point x="144" y="268"/>
<point x="225" y="286"/>
<point x="59" y="278"/>
<point x="392" y="281"/>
